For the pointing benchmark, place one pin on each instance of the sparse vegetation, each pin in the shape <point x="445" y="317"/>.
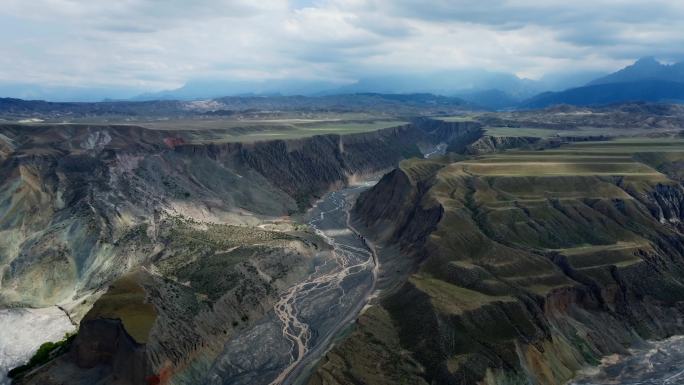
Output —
<point x="46" y="352"/>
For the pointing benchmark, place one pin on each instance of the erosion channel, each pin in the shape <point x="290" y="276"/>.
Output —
<point x="284" y="346"/>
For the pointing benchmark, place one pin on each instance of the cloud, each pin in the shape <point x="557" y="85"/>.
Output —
<point x="161" y="44"/>
<point x="593" y="24"/>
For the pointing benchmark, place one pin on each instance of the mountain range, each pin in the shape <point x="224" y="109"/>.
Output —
<point x="645" y="80"/>
<point x="643" y="69"/>
<point x="494" y="90"/>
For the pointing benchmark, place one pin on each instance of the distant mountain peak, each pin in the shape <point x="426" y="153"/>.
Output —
<point x="650" y="90"/>
<point x="647" y="60"/>
<point x="646" y="68"/>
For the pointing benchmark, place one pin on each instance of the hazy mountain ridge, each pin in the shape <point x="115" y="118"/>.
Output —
<point x="647" y="80"/>
<point x="647" y="68"/>
<point x="612" y="93"/>
<point x="488" y="89"/>
<point x="458" y="83"/>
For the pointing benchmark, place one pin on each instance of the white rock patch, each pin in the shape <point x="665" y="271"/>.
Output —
<point x="23" y="330"/>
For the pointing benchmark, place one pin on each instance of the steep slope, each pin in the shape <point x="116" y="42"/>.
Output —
<point x="177" y="229"/>
<point x="527" y="267"/>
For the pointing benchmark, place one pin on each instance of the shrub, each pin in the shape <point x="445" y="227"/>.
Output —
<point x="45" y="353"/>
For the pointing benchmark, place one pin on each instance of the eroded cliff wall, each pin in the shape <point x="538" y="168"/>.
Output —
<point x="519" y="277"/>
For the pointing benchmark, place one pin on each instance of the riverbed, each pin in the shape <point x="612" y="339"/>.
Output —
<point x="284" y="346"/>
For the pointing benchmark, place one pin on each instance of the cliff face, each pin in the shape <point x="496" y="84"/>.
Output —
<point x="80" y="205"/>
<point x="490" y="144"/>
<point x="86" y="211"/>
<point x="304" y="168"/>
<point x="522" y="277"/>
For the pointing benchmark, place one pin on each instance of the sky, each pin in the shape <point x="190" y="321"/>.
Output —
<point x="151" y="45"/>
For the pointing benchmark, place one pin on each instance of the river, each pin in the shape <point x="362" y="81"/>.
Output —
<point x="285" y="345"/>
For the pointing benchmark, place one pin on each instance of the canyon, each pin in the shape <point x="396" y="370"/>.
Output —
<point x="496" y="248"/>
<point x="164" y="248"/>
